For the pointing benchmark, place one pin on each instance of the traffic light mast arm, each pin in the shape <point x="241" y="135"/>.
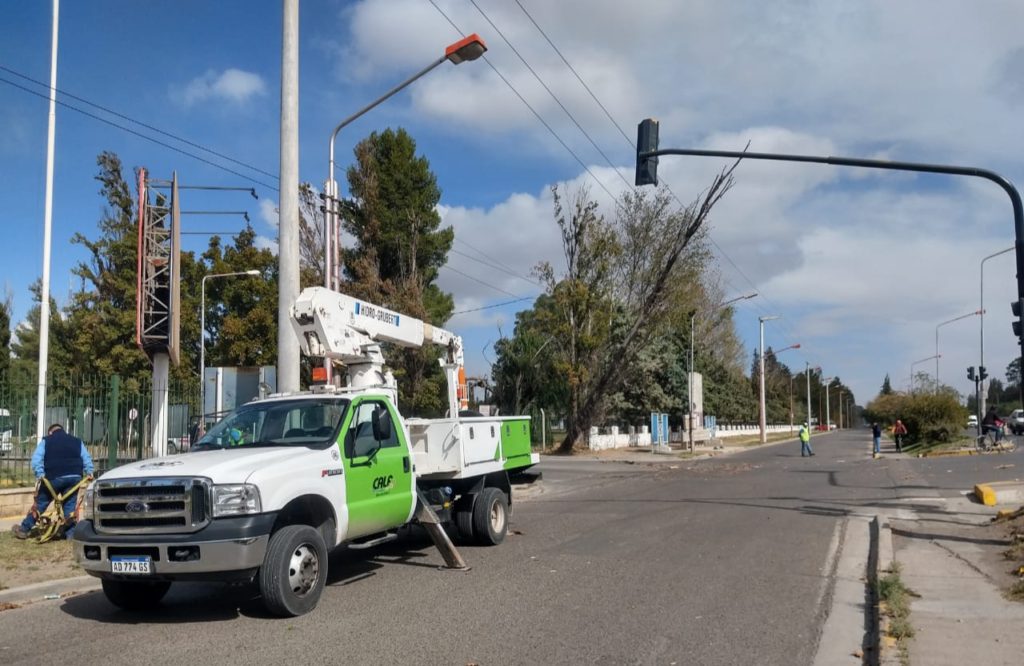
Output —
<point x="648" y="152"/>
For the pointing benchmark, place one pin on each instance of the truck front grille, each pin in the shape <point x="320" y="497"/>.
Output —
<point x="150" y="505"/>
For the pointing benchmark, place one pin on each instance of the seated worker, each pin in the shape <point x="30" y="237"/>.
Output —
<point x="63" y="460"/>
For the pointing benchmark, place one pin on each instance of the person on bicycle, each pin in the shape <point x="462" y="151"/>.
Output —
<point x="899" y="431"/>
<point x="992" y="423"/>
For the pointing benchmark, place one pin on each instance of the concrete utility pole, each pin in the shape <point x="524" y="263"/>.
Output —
<point x="288" y="224"/>
<point x="761" y="418"/>
<point x="44" y="303"/>
<point x="980" y="402"/>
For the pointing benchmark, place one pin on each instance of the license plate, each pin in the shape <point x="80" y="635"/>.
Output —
<point x="138" y="566"/>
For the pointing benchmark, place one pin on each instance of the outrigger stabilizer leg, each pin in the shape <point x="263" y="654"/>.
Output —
<point x="432" y="523"/>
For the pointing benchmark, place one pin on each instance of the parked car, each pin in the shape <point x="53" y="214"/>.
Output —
<point x="972" y="421"/>
<point x="1016" y="422"/>
<point x="6" y="432"/>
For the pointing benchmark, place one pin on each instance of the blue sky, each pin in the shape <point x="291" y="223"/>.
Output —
<point x="862" y="266"/>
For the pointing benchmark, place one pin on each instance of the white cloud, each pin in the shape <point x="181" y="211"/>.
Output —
<point x="232" y="85"/>
<point x="269" y="212"/>
<point x="865" y="263"/>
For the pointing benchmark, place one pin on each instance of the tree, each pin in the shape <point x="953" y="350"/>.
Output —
<point x="615" y="275"/>
<point x="311" y="237"/>
<point x="886" y="386"/>
<point x="241" y="317"/>
<point x="5" y="335"/>
<point x="1013" y="373"/>
<point x="101" y="315"/>
<point x="25" y="344"/>
<point x="399" y="249"/>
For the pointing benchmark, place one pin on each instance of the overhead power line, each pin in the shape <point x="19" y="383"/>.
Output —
<point x="141" y="135"/>
<point x="530" y="107"/>
<point x="495" y="305"/>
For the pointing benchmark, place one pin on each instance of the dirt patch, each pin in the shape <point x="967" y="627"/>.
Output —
<point x="27" y="562"/>
<point x="709" y="468"/>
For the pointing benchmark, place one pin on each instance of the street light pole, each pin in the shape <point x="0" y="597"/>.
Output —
<point x="980" y="403"/>
<point x="464" y="50"/>
<point x="202" y="338"/>
<point x="807" y="376"/>
<point x="828" y="417"/>
<point x="689" y="384"/>
<point x="762" y="421"/>
<point x="937" y="355"/>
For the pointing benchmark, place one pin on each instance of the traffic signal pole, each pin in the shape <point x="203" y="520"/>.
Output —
<point x="647" y="174"/>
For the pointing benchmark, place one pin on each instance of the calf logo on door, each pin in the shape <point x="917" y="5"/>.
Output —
<point x="383" y="484"/>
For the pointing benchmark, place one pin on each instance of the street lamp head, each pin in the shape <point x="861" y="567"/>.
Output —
<point x="252" y="272"/>
<point x="466" y="49"/>
<point x="764" y="318"/>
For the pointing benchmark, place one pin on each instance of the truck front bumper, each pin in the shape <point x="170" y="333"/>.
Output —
<point x="227" y="549"/>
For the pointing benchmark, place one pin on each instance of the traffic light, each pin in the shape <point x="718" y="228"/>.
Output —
<point x="970" y="373"/>
<point x="981" y="373"/>
<point x="646" y="141"/>
<point x="1017" y="306"/>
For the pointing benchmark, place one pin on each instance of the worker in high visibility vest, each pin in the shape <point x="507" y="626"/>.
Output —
<point x="805" y="441"/>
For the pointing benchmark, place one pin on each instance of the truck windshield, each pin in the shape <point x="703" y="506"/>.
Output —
<point x="277" y="423"/>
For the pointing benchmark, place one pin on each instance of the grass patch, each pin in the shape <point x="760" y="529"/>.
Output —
<point x="1016" y="592"/>
<point x="894" y="602"/>
<point x="754" y="440"/>
<point x="26" y="562"/>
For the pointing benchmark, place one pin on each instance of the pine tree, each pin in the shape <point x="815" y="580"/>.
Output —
<point x="399" y="249"/>
<point x="886" y="386"/>
<point x="5" y="336"/>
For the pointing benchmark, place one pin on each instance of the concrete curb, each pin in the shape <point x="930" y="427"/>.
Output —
<point x="51" y="589"/>
<point x="1000" y="492"/>
<point x="947" y="454"/>
<point x="885" y="562"/>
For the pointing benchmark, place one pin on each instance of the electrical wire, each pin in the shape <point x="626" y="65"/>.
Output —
<point x="552" y="94"/>
<point x="479" y="281"/>
<point x="497" y="268"/>
<point x="138" y="122"/>
<point x="629" y="142"/>
<point x="532" y="110"/>
<point x="495" y="305"/>
<point x="142" y="136"/>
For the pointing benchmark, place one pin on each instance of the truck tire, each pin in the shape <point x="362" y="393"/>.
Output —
<point x="490" y="517"/>
<point x="294" y="571"/>
<point x="135" y="595"/>
<point x="464" y="518"/>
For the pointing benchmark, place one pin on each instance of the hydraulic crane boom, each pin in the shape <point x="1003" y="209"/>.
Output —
<point x="336" y="326"/>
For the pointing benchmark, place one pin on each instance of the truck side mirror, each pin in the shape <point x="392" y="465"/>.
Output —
<point x="381" y="425"/>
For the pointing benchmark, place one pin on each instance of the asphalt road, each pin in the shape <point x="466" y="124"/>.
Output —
<point x="721" y="561"/>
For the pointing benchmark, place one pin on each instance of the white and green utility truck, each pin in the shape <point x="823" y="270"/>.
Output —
<point x="270" y="489"/>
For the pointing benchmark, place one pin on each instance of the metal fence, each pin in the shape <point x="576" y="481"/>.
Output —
<point x="110" y="415"/>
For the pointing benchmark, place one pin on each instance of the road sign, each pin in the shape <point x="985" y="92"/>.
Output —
<point x="133" y="414"/>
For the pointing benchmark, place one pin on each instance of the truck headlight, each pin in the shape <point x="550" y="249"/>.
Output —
<point x="88" y="502"/>
<point x="235" y="500"/>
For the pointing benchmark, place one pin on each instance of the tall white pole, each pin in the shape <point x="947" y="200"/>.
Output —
<point x="44" y="304"/>
<point x="288" y="228"/>
<point x="202" y="354"/>
<point x="807" y="376"/>
<point x="828" y="417"/>
<point x="981" y="309"/>
<point x="689" y="389"/>
<point x="761" y="418"/>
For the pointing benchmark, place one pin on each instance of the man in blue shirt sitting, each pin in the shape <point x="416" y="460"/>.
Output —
<point x="63" y="460"/>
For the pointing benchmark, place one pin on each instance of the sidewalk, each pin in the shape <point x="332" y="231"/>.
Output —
<point x="953" y="560"/>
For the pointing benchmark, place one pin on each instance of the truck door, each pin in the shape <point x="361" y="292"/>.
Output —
<point x="379" y="486"/>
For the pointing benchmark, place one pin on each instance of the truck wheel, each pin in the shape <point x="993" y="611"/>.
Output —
<point x="294" y="571"/>
<point x="490" y="517"/>
<point x="135" y="595"/>
<point x="464" y="518"/>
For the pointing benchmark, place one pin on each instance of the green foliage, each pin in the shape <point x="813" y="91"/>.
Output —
<point x="399" y="249"/>
<point x="241" y="311"/>
<point x="1013" y="372"/>
<point x="5" y="336"/>
<point x="929" y="417"/>
<point x="101" y="315"/>
<point x="25" y="348"/>
<point x="886" y="386"/>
